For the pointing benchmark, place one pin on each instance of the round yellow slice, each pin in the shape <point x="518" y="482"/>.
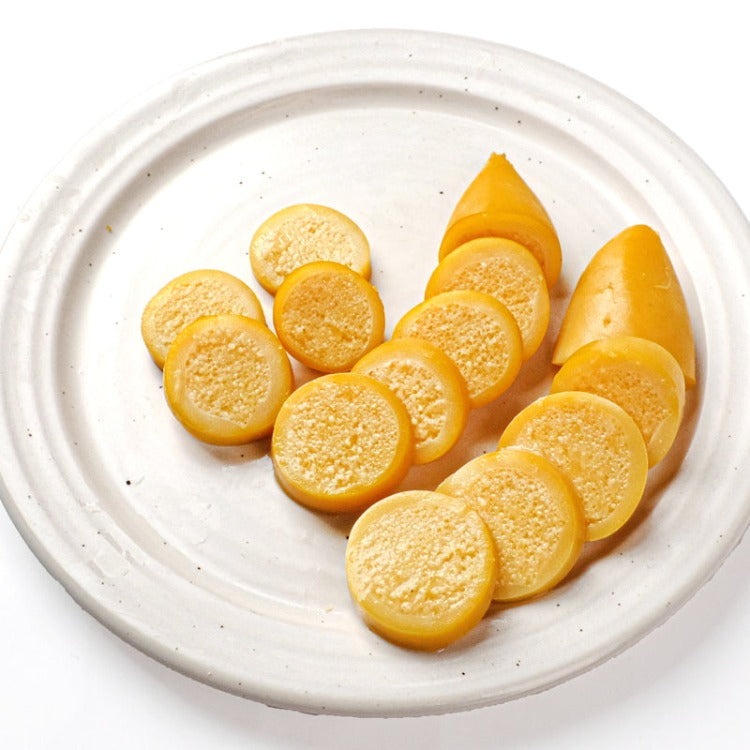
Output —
<point x="477" y="332"/>
<point x="341" y="442"/>
<point x="431" y="387"/>
<point x="533" y="513"/>
<point x="328" y="316"/>
<point x="421" y="567"/>
<point x="639" y="375"/>
<point x="596" y="444"/>
<point x="225" y="379"/>
<point x="304" y="233"/>
<point x="505" y="270"/>
<point x="188" y="297"/>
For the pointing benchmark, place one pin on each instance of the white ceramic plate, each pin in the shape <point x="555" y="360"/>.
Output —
<point x="192" y="553"/>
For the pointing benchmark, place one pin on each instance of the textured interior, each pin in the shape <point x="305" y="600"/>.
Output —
<point x="421" y="559"/>
<point x="478" y="340"/>
<point x="338" y="437"/>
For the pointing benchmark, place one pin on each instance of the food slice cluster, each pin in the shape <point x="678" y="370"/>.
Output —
<point x="431" y="387"/>
<point x="423" y="566"/>
<point x="477" y="332"/>
<point x="505" y="270"/>
<point x="639" y="375"/>
<point x="595" y="444"/>
<point x="499" y="203"/>
<point x="190" y="296"/>
<point x="533" y="513"/>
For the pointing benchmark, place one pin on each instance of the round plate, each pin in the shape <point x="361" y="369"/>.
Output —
<point x="192" y="553"/>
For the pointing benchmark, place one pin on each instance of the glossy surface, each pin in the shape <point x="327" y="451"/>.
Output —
<point x="431" y="387"/>
<point x="500" y="203"/>
<point x="505" y="270"/>
<point x="189" y="296"/>
<point x="328" y="316"/>
<point x="477" y="332"/>
<point x="596" y="444"/>
<point x="225" y="379"/>
<point x="421" y="566"/>
<point x="630" y="288"/>
<point x="533" y="512"/>
<point x="639" y="375"/>
<point x="341" y="442"/>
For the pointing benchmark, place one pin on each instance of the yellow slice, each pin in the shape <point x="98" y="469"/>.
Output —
<point x="505" y="270"/>
<point x="328" y="316"/>
<point x="533" y="513"/>
<point x="639" y="375"/>
<point x="225" y="378"/>
<point x="341" y="442"/>
<point x="595" y="444"/>
<point x="499" y="203"/>
<point x="629" y="288"/>
<point x="431" y="387"/>
<point x="421" y="568"/>
<point x="477" y="332"/>
<point x="190" y="296"/>
<point x="304" y="233"/>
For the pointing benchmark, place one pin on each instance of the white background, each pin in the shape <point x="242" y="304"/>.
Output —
<point x="66" y="681"/>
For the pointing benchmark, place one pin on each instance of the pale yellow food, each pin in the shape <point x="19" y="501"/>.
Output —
<point x="506" y="270"/>
<point x="188" y="297"/>
<point x="304" y="233"/>
<point x="341" y="442"/>
<point x="225" y="379"/>
<point x="595" y="444"/>
<point x="477" y="332"/>
<point x="431" y="387"/>
<point x="328" y="316"/>
<point x="639" y="375"/>
<point x="499" y="203"/>
<point x="421" y="567"/>
<point x="533" y="512"/>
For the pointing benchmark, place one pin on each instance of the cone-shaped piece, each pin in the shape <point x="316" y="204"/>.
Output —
<point x="499" y="203"/>
<point x="629" y="288"/>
